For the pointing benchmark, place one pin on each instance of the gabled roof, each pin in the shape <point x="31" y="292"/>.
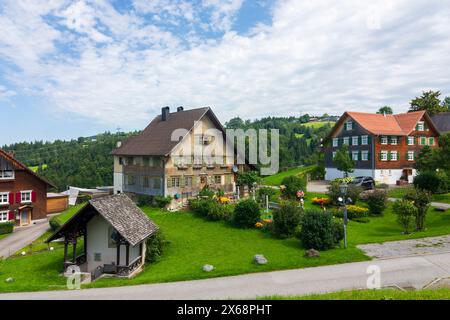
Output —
<point x="119" y="211"/>
<point x="20" y="165"/>
<point x="155" y="140"/>
<point x="380" y="124"/>
<point x="442" y="122"/>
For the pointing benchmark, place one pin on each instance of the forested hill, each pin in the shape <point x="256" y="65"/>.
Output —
<point x="82" y="162"/>
<point x="87" y="162"/>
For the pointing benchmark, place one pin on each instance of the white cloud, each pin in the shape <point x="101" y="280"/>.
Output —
<point x="316" y="56"/>
<point x="5" y="93"/>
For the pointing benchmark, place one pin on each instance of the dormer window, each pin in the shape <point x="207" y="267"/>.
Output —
<point x="420" y="126"/>
<point x="349" y="125"/>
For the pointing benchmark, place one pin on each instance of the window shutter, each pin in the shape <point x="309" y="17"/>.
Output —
<point x="379" y="156"/>
<point x="11" y="215"/>
<point x="18" y="197"/>
<point x="11" y="198"/>
<point x="369" y="156"/>
<point x="182" y="182"/>
<point x="169" y="182"/>
<point x="33" y="196"/>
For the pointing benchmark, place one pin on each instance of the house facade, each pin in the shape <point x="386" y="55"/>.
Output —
<point x="169" y="157"/>
<point x="382" y="146"/>
<point x="23" y="194"/>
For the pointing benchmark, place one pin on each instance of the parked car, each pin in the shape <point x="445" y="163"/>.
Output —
<point x="367" y="183"/>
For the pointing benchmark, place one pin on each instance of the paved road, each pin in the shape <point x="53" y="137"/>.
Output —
<point x="21" y="237"/>
<point x="409" y="272"/>
<point x="440" y="205"/>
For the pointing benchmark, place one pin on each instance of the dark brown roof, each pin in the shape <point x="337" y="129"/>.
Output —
<point x="20" y="165"/>
<point x="442" y="122"/>
<point x="119" y="211"/>
<point x="155" y="140"/>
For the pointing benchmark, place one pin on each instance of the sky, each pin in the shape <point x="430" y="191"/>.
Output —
<point x="78" y="68"/>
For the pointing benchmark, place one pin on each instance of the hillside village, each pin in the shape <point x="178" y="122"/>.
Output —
<point x="376" y="178"/>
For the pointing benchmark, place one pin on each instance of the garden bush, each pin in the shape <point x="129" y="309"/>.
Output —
<point x="353" y="192"/>
<point x="318" y="173"/>
<point x="421" y="200"/>
<point x="162" y="202"/>
<point x="406" y="212"/>
<point x="202" y="206"/>
<point x="144" y="200"/>
<point x="377" y="201"/>
<point x="155" y="246"/>
<point x="206" y="192"/>
<point x="267" y="191"/>
<point x="428" y="181"/>
<point x="7" y="227"/>
<point x="293" y="184"/>
<point x="220" y="212"/>
<point x="286" y="220"/>
<point x="246" y="214"/>
<point x="319" y="231"/>
<point x="353" y="212"/>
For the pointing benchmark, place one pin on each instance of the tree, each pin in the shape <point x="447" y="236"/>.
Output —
<point x="405" y="211"/>
<point x="421" y="200"/>
<point x="385" y="110"/>
<point x="446" y="103"/>
<point x="235" y="123"/>
<point x="426" y="160"/>
<point x="343" y="161"/>
<point x="428" y="101"/>
<point x="286" y="220"/>
<point x="249" y="179"/>
<point x="292" y="184"/>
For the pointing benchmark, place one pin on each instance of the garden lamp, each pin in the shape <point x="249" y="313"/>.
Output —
<point x="343" y="188"/>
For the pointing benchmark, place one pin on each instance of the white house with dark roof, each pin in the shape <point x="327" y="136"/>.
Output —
<point x="114" y="231"/>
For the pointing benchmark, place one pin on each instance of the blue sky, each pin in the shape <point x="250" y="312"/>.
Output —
<point x="77" y="68"/>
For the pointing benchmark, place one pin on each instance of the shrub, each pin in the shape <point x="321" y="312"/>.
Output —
<point x="286" y="220"/>
<point x="353" y="192"/>
<point x="444" y="184"/>
<point x="405" y="211"/>
<point x="155" y="246"/>
<point x="7" y="227"/>
<point x="292" y="185"/>
<point x="319" y="231"/>
<point x="54" y="223"/>
<point x="353" y="212"/>
<point x="377" y="202"/>
<point x="318" y="173"/>
<point x="338" y="232"/>
<point x="202" y="206"/>
<point x="421" y="200"/>
<point x="428" y="181"/>
<point x="206" y="192"/>
<point x="321" y="200"/>
<point x="220" y="212"/>
<point x="162" y="202"/>
<point x="267" y="191"/>
<point x="246" y="214"/>
<point x="144" y="200"/>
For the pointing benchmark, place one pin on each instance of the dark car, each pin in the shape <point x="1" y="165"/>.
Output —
<point x="367" y="183"/>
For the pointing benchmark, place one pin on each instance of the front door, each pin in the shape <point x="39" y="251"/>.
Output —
<point x="25" y="217"/>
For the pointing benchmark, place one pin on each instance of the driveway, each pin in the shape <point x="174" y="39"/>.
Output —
<point x="22" y="237"/>
<point x="404" y="248"/>
<point x="318" y="186"/>
<point x="407" y="272"/>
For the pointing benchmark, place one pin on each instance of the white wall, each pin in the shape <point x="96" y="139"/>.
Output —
<point x="390" y="176"/>
<point x="118" y="182"/>
<point x="97" y="242"/>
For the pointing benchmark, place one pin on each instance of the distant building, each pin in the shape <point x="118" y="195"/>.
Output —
<point x="384" y="147"/>
<point x="442" y="122"/>
<point x="150" y="163"/>
<point x="23" y="193"/>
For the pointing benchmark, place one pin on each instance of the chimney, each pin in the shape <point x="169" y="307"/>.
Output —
<point x="119" y="144"/>
<point x="165" y="113"/>
<point x="180" y="108"/>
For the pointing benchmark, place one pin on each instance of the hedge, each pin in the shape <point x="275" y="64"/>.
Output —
<point x="7" y="227"/>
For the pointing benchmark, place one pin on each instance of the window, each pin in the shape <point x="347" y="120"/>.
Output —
<point x="146" y="182"/>
<point x="355" y="155"/>
<point x="3" y="216"/>
<point x="411" y="141"/>
<point x="349" y="125"/>
<point x="431" y="141"/>
<point x="130" y="161"/>
<point x="394" y="156"/>
<point x="355" y="141"/>
<point x="346" y="141"/>
<point x="423" y="141"/>
<point x="97" y="257"/>
<point x="335" y="142"/>
<point x="4" y="198"/>
<point x="334" y="154"/>
<point x="198" y="138"/>
<point x="146" y="161"/>
<point x="131" y="179"/>
<point x="365" y="155"/>
<point x="218" y="179"/>
<point x="6" y="174"/>
<point x="420" y="126"/>
<point x="384" y="140"/>
<point x="175" y="182"/>
<point x="113" y="237"/>
<point x="25" y="196"/>
<point x="394" y="141"/>
<point x="410" y="155"/>
<point x="188" y="181"/>
<point x="384" y="156"/>
<point x="365" y="140"/>
<point x="120" y="160"/>
<point x="156" y="183"/>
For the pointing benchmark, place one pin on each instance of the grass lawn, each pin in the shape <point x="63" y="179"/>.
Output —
<point x="318" y="124"/>
<point x="384" y="294"/>
<point x="2" y="236"/>
<point x="275" y="180"/>
<point x="401" y="191"/>
<point x="194" y="242"/>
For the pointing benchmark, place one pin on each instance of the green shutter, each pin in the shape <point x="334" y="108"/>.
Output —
<point x="169" y="182"/>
